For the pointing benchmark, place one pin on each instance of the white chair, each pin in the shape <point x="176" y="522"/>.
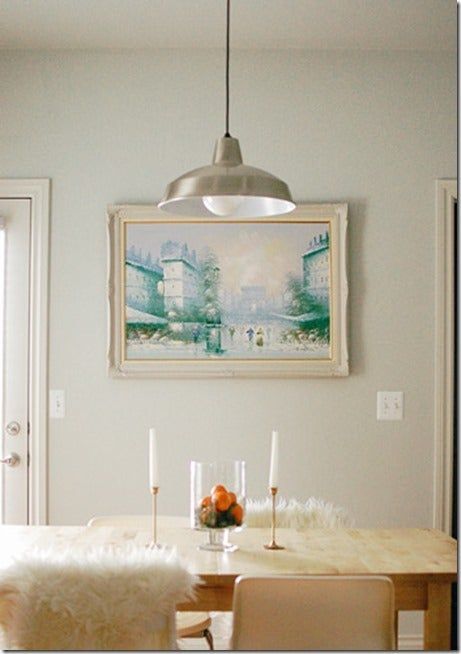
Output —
<point x="189" y="624"/>
<point x="313" y="613"/>
<point x="292" y="513"/>
<point x="99" y="598"/>
<point x="138" y="521"/>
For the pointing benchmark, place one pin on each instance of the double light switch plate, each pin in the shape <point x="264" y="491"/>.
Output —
<point x="390" y="405"/>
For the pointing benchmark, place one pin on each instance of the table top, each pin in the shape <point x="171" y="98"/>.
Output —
<point x="424" y="553"/>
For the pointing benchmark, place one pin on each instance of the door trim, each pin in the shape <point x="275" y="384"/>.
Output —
<point x="446" y="194"/>
<point x="38" y="192"/>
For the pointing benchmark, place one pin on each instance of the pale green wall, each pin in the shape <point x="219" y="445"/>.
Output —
<point x="371" y="129"/>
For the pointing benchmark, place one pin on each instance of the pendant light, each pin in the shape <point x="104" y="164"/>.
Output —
<point x="227" y="187"/>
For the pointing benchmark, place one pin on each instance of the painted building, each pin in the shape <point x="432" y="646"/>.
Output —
<point x="253" y="299"/>
<point x="316" y="267"/>
<point x="143" y="284"/>
<point x="180" y="277"/>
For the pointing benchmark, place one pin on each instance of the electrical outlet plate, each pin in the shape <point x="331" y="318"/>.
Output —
<point x="389" y="405"/>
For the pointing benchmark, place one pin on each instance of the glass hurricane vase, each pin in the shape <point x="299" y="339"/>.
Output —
<point x="217" y="501"/>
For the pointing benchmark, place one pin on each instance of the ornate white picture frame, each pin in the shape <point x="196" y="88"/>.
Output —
<point x="223" y="297"/>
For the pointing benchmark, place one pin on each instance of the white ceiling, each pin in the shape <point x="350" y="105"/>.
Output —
<point x="310" y="24"/>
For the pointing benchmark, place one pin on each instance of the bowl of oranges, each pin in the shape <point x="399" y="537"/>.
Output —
<point x="217" y="501"/>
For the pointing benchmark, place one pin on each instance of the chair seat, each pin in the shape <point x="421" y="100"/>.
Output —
<point x="191" y="623"/>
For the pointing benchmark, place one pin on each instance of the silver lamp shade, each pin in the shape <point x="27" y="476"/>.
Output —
<point x="227" y="187"/>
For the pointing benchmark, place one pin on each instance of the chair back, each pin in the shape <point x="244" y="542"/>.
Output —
<point x="99" y="598"/>
<point x="313" y="613"/>
<point x="137" y="521"/>
<point x="192" y="623"/>
<point x="296" y="514"/>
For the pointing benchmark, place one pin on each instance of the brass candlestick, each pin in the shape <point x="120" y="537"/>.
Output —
<point x="273" y="545"/>
<point x="153" y="544"/>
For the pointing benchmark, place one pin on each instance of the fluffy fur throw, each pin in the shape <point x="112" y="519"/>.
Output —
<point x="295" y="514"/>
<point x="99" y="599"/>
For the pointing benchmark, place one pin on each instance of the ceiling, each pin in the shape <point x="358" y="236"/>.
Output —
<point x="259" y="24"/>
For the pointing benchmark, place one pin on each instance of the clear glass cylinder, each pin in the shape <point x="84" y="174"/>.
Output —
<point x="218" y="494"/>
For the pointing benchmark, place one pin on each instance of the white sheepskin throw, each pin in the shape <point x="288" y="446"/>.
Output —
<point x="295" y="514"/>
<point x="103" y="598"/>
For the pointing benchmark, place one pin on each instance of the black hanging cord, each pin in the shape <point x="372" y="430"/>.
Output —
<point x="227" y="67"/>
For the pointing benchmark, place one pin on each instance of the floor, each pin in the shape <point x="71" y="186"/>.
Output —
<point x="221" y="629"/>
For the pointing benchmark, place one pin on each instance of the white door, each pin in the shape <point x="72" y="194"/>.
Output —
<point x="15" y="226"/>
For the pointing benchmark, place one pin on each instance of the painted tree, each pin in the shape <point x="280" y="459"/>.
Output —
<point x="299" y="301"/>
<point x="210" y="312"/>
<point x="210" y="279"/>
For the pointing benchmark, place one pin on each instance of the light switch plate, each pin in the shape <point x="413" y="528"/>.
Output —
<point x="389" y="405"/>
<point x="57" y="404"/>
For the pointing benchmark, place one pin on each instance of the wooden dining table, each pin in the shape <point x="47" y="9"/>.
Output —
<point x="422" y="563"/>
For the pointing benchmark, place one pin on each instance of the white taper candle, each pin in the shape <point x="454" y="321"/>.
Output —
<point x="274" y="466"/>
<point x="153" y="459"/>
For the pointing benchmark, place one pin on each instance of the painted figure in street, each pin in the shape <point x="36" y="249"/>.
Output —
<point x="250" y="332"/>
<point x="196" y="336"/>
<point x="260" y="337"/>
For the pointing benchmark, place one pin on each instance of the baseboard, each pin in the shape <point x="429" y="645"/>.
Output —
<point x="414" y="642"/>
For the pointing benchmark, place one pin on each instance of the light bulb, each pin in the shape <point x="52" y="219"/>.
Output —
<point x="222" y="205"/>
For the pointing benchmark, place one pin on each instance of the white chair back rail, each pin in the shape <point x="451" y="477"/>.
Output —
<point x="313" y="613"/>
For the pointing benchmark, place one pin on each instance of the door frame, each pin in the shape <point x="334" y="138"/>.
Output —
<point x="446" y="194"/>
<point x="37" y="191"/>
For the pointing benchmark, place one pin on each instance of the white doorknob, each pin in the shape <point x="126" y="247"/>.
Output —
<point x="11" y="459"/>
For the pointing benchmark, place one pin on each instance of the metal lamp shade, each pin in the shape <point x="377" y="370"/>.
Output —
<point x="227" y="187"/>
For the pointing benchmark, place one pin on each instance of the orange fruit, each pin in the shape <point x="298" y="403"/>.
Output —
<point x="217" y="488"/>
<point x="221" y="500"/>
<point x="206" y="501"/>
<point x="237" y="514"/>
<point x="233" y="498"/>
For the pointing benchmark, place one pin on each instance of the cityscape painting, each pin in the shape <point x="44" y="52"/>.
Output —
<point x="232" y="290"/>
<point x="224" y="297"/>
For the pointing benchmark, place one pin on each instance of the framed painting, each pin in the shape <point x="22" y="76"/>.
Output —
<point x="227" y="297"/>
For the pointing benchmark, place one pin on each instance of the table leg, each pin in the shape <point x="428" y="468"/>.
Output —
<point x="396" y="629"/>
<point x="437" y="617"/>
